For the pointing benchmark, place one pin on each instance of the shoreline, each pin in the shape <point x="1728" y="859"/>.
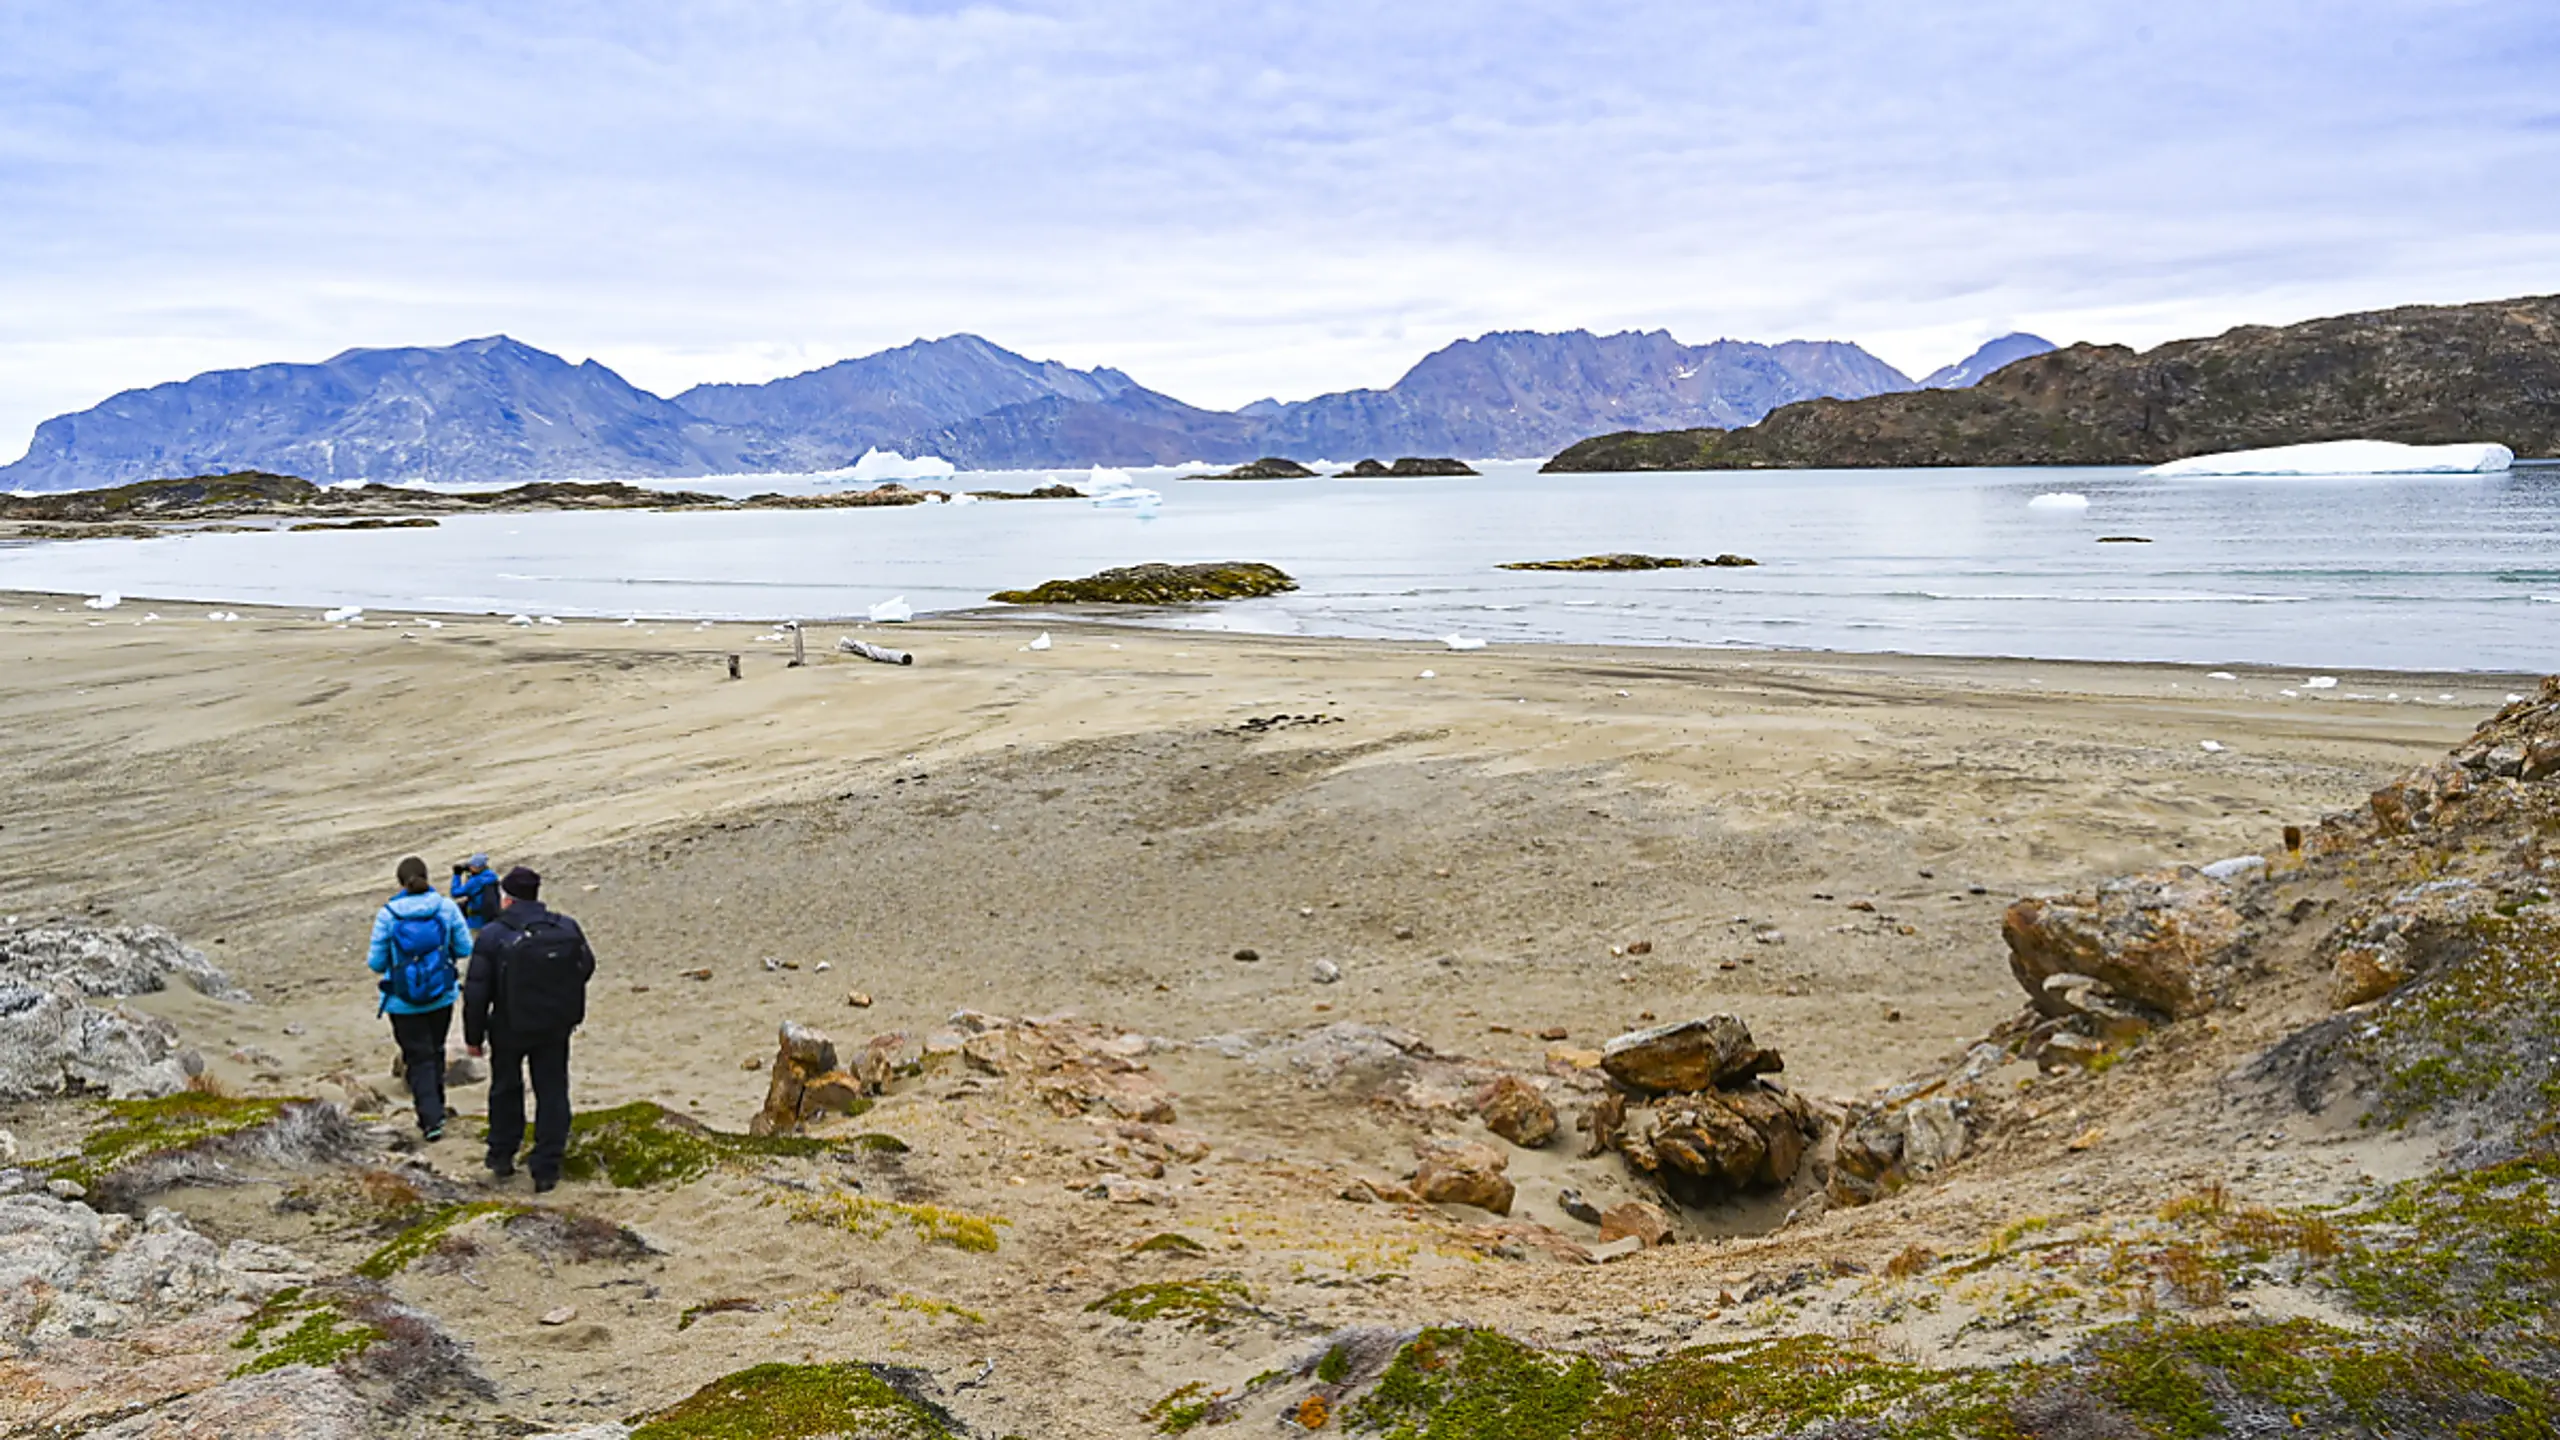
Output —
<point x="1122" y="620"/>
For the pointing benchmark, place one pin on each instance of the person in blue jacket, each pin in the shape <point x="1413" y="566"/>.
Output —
<point x="475" y="890"/>
<point x="419" y="943"/>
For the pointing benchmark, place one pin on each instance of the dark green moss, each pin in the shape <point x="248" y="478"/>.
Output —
<point x="1169" y="1243"/>
<point x="1157" y="585"/>
<point x="800" y="1402"/>
<point x="140" y="1129"/>
<point x="1463" y="1384"/>
<point x="414" y="1242"/>
<point x="1184" y="1410"/>
<point x="2477" y="1250"/>
<point x="1209" y="1304"/>
<point x="643" y="1144"/>
<point x="300" y="1327"/>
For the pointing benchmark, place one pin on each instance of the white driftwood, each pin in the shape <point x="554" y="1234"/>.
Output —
<point x="869" y="651"/>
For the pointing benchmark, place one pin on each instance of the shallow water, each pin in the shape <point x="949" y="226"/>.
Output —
<point x="2432" y="572"/>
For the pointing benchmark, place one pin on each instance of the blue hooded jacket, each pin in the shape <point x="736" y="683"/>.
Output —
<point x="457" y="943"/>
<point x="476" y="892"/>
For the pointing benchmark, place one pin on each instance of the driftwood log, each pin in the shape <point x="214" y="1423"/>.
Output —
<point x="869" y="651"/>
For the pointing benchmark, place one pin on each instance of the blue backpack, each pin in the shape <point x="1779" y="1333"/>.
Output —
<point x="420" y="974"/>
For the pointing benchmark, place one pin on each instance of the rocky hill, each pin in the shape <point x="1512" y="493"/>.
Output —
<point x="2419" y="374"/>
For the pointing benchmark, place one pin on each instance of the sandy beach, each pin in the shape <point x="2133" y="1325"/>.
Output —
<point x="1519" y="841"/>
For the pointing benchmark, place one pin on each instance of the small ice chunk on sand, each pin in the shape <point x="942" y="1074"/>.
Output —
<point x="107" y="600"/>
<point x="342" y="614"/>
<point x="2321" y="682"/>
<point x="1462" y="642"/>
<point x="1039" y="642"/>
<point x="550" y="619"/>
<point x="2222" y="675"/>
<point x="2060" y="500"/>
<point x="892" y="612"/>
<point x="2344" y="457"/>
<point x="519" y="619"/>
<point x="2210" y="747"/>
<point x="1428" y="675"/>
<point x="2235" y="867"/>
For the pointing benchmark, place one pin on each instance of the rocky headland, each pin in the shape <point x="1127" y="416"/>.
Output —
<point x="2418" y="374"/>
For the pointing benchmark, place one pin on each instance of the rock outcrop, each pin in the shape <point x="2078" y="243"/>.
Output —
<point x="1632" y="561"/>
<point x="52" y="1044"/>
<point x="1692" y="1112"/>
<point x="1157" y="585"/>
<point x="2420" y="374"/>
<point x="2163" y="939"/>
<point x="806" y="1083"/>
<point x="107" y="961"/>
<point x="1269" y="467"/>
<point x="1688" y="1056"/>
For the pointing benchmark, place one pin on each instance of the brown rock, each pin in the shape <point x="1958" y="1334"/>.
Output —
<point x="1688" y="1056"/>
<point x="836" y="1091"/>
<point x="1513" y="1109"/>
<point x="1647" y="1223"/>
<point x="2363" y="974"/>
<point x="1464" y="1174"/>
<point x="803" y="1055"/>
<point x="2162" y="939"/>
<point x="1604" y="1123"/>
<point x="1699" y="1137"/>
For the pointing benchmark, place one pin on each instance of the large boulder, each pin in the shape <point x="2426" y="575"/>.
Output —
<point x="2162" y="939"/>
<point x="806" y="1083"/>
<point x="2409" y="934"/>
<point x="1688" y="1056"/>
<point x="107" y="961"/>
<point x="53" y="1044"/>
<point x="1715" y="1144"/>
<point x="1515" y="1110"/>
<point x="1464" y="1174"/>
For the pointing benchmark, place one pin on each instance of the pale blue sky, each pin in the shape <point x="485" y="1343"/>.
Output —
<point x="1233" y="200"/>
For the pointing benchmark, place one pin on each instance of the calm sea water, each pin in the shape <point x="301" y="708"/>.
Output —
<point x="2408" y="572"/>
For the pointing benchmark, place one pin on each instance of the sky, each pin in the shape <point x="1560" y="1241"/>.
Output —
<point x="1238" y="200"/>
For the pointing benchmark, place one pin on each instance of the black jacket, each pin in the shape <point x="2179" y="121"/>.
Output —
<point x="482" y="1006"/>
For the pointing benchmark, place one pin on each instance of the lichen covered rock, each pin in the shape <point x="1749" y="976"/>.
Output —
<point x="1689" y="1055"/>
<point x="1515" y="1110"/>
<point x="1158" y="585"/>
<point x="2163" y="938"/>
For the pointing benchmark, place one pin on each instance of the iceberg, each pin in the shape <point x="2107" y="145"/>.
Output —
<point x="2344" y="457"/>
<point x="106" y="600"/>
<point x="878" y="466"/>
<point x="892" y="612"/>
<point x="2059" y="500"/>
<point x="342" y="614"/>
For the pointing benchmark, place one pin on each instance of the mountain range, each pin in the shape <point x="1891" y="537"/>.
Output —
<point x="2419" y="374"/>
<point x="497" y="409"/>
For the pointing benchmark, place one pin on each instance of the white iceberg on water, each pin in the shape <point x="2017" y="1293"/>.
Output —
<point x="893" y="612"/>
<point x="877" y="467"/>
<point x="2060" y="500"/>
<point x="1110" y="489"/>
<point x="2344" y="457"/>
<point x="342" y="614"/>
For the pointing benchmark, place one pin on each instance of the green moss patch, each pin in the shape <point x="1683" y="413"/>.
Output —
<point x="1157" y="585"/>
<point x="644" y="1144"/>
<point x="1736" y="1391"/>
<point x="143" y="1129"/>
<point x="2479" y="1250"/>
<point x="417" y="1240"/>
<point x="2473" y="1040"/>
<point x="801" y="1402"/>
<point x="1208" y="1304"/>
<point x="1462" y="1384"/>
<point x="301" y="1327"/>
<point x="1169" y="1243"/>
<point x="2189" y="1382"/>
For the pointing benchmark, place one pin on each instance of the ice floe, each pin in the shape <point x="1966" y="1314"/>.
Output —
<point x="892" y="612"/>
<point x="105" y="601"/>
<point x="878" y="466"/>
<point x="342" y="614"/>
<point x="2059" y="500"/>
<point x="1462" y="642"/>
<point x="2344" y="457"/>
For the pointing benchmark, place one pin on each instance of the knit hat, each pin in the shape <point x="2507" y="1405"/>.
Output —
<point x="522" y="884"/>
<point x="479" y="862"/>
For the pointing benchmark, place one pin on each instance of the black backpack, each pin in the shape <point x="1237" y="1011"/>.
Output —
<point x="541" y="988"/>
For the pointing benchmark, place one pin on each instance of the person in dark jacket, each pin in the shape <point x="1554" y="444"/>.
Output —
<point x="526" y="992"/>
<point x="475" y="890"/>
<point x="419" y="942"/>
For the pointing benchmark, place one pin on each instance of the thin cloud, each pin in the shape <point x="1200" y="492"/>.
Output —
<point x="1235" y="201"/>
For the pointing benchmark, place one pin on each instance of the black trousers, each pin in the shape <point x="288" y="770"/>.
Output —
<point x="421" y="1040"/>
<point x="547" y="1057"/>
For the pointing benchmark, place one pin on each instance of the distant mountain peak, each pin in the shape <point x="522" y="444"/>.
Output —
<point x="2008" y="349"/>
